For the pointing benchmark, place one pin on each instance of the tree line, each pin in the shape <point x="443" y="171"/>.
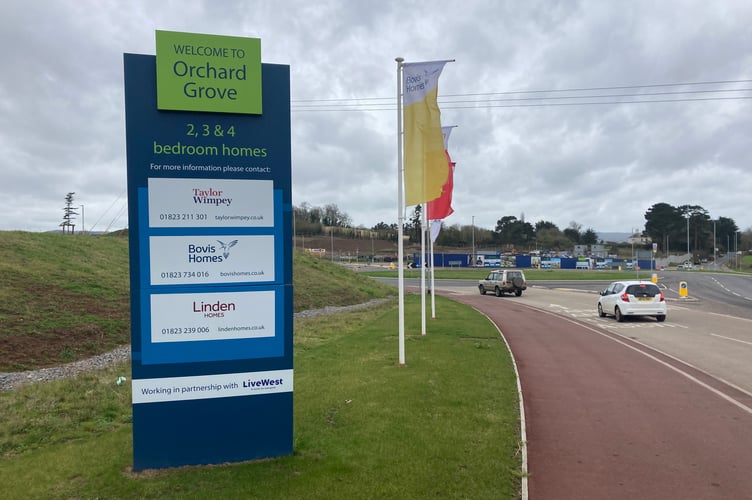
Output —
<point x="510" y="233"/>
<point x="689" y="228"/>
<point x="672" y="229"/>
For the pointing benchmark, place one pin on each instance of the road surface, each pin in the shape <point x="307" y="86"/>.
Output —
<point x="638" y="409"/>
<point x="608" y="417"/>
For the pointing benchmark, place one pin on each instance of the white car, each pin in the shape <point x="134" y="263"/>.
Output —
<point x="632" y="298"/>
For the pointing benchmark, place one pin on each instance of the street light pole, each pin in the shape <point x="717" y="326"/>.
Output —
<point x="689" y="256"/>
<point x="473" y="261"/>
<point x="632" y="240"/>
<point x="715" y="264"/>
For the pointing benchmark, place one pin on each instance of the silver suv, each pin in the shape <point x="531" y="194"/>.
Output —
<point x="503" y="281"/>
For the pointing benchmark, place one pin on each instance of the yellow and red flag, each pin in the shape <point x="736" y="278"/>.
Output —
<point x="441" y="207"/>
<point x="425" y="163"/>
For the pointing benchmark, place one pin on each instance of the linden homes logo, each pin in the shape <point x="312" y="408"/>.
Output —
<point x="210" y="196"/>
<point x="201" y="254"/>
<point x="213" y="309"/>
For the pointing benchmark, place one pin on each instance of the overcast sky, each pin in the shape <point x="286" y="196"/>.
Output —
<point x="527" y="142"/>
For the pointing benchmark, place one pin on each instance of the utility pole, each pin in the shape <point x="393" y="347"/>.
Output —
<point x="715" y="264"/>
<point x="473" y="261"/>
<point x="736" y="251"/>
<point x="689" y="255"/>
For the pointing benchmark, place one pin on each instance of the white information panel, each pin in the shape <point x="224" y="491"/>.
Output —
<point x="158" y="390"/>
<point x="179" y="260"/>
<point x="210" y="203"/>
<point x="190" y="317"/>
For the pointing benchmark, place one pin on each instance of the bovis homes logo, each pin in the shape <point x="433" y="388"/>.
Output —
<point x="210" y="253"/>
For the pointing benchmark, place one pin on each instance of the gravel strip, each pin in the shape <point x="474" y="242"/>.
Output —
<point x="11" y="380"/>
<point x="336" y="309"/>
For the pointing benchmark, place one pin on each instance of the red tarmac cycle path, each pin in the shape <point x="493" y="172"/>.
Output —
<point x="605" y="421"/>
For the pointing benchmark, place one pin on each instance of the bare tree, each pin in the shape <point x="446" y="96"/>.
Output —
<point x="69" y="213"/>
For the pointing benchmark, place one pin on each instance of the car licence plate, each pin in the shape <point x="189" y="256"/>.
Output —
<point x="645" y="299"/>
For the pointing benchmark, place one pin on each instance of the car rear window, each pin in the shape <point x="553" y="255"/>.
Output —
<point x="514" y="274"/>
<point x="643" y="290"/>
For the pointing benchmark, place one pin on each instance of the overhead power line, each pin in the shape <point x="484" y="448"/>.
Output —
<point x="584" y="98"/>
<point x="621" y="87"/>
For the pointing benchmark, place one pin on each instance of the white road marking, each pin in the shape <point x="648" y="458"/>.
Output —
<point x="626" y="343"/>
<point x="610" y="322"/>
<point x="729" y="338"/>
<point x="681" y="372"/>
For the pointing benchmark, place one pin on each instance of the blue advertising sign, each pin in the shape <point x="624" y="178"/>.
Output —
<point x="210" y="227"/>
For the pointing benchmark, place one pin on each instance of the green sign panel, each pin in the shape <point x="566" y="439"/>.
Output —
<point x="218" y="74"/>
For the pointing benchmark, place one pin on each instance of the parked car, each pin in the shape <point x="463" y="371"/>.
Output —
<point x="503" y="281"/>
<point x="632" y="298"/>
<point x="687" y="266"/>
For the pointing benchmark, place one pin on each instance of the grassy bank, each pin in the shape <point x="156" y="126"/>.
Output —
<point x="66" y="297"/>
<point x="445" y="425"/>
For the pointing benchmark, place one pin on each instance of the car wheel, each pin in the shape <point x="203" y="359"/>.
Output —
<point x="518" y="292"/>
<point x="517" y="282"/>
<point x="617" y="314"/>
<point x="600" y="311"/>
<point x="482" y="290"/>
<point x="497" y="291"/>
<point x="661" y="318"/>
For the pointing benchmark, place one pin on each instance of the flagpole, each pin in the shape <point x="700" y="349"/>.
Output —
<point x="400" y="218"/>
<point x="445" y="130"/>
<point x="433" y="270"/>
<point x="423" y="263"/>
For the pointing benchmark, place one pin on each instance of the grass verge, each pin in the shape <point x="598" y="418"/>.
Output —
<point x="445" y="425"/>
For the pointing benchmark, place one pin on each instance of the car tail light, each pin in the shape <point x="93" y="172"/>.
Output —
<point x="624" y="297"/>
<point x="662" y="297"/>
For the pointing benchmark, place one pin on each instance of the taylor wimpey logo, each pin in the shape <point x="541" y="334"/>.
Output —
<point x="210" y="196"/>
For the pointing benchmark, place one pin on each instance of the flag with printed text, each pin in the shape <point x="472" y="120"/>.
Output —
<point x="425" y="164"/>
